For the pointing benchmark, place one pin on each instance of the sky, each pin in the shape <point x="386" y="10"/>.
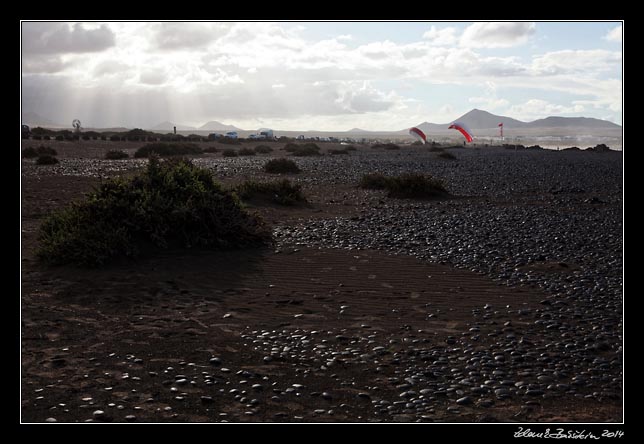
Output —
<point x="331" y="76"/>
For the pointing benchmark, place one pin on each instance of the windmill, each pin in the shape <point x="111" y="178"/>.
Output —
<point x="77" y="126"/>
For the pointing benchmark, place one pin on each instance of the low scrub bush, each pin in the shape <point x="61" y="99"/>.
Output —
<point x="228" y="141"/>
<point x="446" y="155"/>
<point x="263" y="149"/>
<point x="171" y="204"/>
<point x="46" y="159"/>
<point x="229" y="152"/>
<point x="405" y="186"/>
<point x="40" y="151"/>
<point x="282" y="192"/>
<point x="116" y="155"/>
<point x="280" y="166"/>
<point x="340" y="151"/>
<point x="374" y="181"/>
<point x="246" y="152"/>
<point x="386" y="146"/>
<point x="306" y="149"/>
<point x="167" y="149"/>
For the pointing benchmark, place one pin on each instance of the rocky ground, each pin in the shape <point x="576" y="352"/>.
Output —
<point x="503" y="303"/>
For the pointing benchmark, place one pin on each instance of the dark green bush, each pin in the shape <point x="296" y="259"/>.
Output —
<point x="171" y="204"/>
<point x="229" y="152"/>
<point x="29" y="153"/>
<point x="350" y="148"/>
<point x="281" y="166"/>
<point x="263" y="149"/>
<point x="282" y="192"/>
<point x="306" y="149"/>
<point x="116" y="155"/>
<point x="374" y="181"/>
<point x="167" y="149"/>
<point x="387" y="146"/>
<point x="246" y="152"/>
<point x="414" y="186"/>
<point x="40" y="151"/>
<point x="59" y="137"/>
<point x="228" y="141"/>
<point x="341" y="151"/>
<point x="446" y="155"/>
<point x="46" y="159"/>
<point x="210" y="149"/>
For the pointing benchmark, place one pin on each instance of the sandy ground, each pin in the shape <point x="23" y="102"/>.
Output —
<point x="300" y="334"/>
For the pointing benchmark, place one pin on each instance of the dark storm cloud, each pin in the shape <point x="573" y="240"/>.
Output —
<point x="59" y="38"/>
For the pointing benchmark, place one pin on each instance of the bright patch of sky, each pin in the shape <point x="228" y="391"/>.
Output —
<point x="319" y="75"/>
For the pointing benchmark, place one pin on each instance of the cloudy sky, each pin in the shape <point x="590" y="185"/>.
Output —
<point x="318" y="75"/>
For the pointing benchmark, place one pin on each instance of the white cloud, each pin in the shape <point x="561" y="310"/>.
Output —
<point x="615" y="35"/>
<point x="43" y="64"/>
<point x="497" y="34"/>
<point x="581" y="61"/>
<point x="152" y="77"/>
<point x="187" y="36"/>
<point x="239" y="71"/>
<point x="110" y="67"/>
<point x="59" y="38"/>
<point x="441" y="37"/>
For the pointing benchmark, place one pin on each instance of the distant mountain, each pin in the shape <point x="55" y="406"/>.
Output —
<point x="357" y="130"/>
<point x="213" y="125"/>
<point x="565" y="122"/>
<point x="169" y="126"/>
<point x="478" y="119"/>
<point x="33" y="119"/>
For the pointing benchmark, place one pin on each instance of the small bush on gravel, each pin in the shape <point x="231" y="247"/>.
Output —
<point x="281" y="166"/>
<point x="414" y="186"/>
<point x="167" y="149"/>
<point x="446" y="155"/>
<point x="307" y="149"/>
<point x="228" y="141"/>
<point x="40" y="151"/>
<point x="210" y="149"/>
<point x="387" y="146"/>
<point x="171" y="204"/>
<point x="246" y="152"/>
<point x="116" y="155"/>
<point x="29" y="153"/>
<point x="263" y="149"/>
<point x="46" y="159"/>
<point x="341" y="151"/>
<point x="374" y="181"/>
<point x="282" y="192"/>
<point x="229" y="152"/>
<point x="350" y="148"/>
